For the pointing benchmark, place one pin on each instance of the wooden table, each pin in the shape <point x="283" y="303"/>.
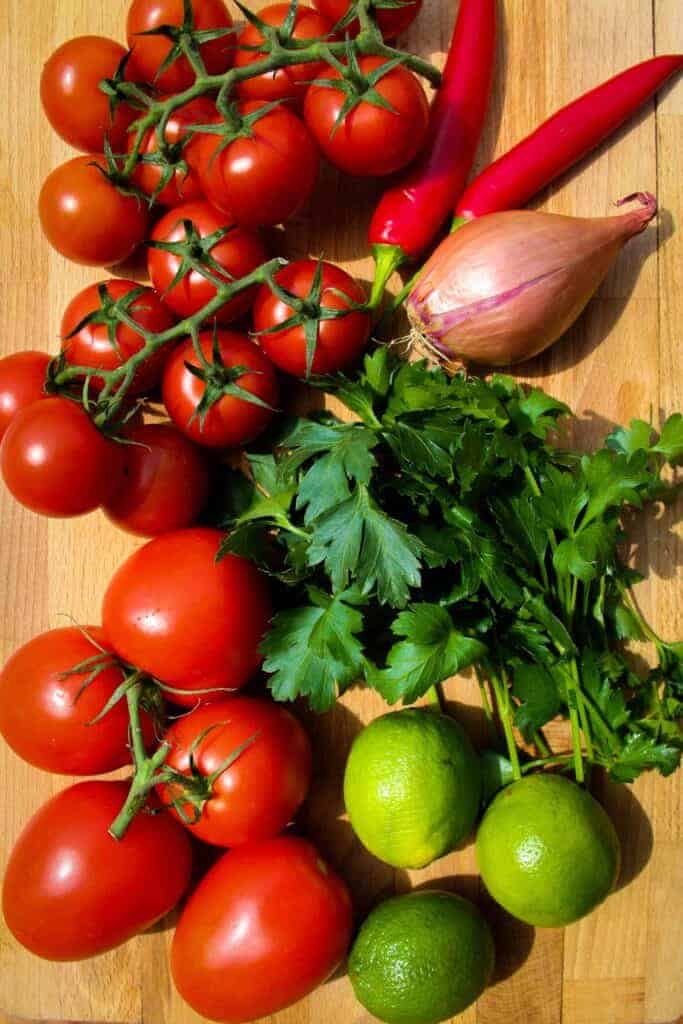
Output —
<point x="623" y="964"/>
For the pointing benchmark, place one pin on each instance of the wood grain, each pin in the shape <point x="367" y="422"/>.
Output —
<point x="624" y="964"/>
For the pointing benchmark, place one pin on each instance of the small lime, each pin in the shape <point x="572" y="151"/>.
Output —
<point x="547" y="851"/>
<point x="412" y="786"/>
<point x="421" y="958"/>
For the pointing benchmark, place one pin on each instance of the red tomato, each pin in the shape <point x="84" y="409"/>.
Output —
<point x="22" y="380"/>
<point x="182" y="187"/>
<point x="257" y="796"/>
<point x="149" y="52"/>
<point x="231" y="421"/>
<point x="391" y="20"/>
<point x="188" y="620"/>
<point x="265" y="177"/>
<point x="240" y="252"/>
<point x="285" y="83"/>
<point x="74" y="104"/>
<point x="165" y="483"/>
<point x="340" y="341"/>
<point x="85" y="218"/>
<point x="54" y="461"/>
<point x="267" y="924"/>
<point x="370" y="140"/>
<point x="92" y="345"/>
<point x="45" y="715"/>
<point x="72" y="891"/>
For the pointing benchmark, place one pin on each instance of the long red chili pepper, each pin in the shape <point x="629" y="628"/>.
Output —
<point x="410" y="214"/>
<point x="563" y="139"/>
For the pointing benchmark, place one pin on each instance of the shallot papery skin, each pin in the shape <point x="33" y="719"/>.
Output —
<point x="504" y="287"/>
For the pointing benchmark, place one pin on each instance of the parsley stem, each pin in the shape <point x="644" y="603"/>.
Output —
<point x="502" y="694"/>
<point x="585" y="724"/>
<point x="540" y="743"/>
<point x="434" y="698"/>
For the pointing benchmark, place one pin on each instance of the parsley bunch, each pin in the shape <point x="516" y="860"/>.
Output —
<point x="445" y="528"/>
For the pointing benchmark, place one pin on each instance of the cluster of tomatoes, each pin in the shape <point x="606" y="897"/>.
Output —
<point x="270" y="920"/>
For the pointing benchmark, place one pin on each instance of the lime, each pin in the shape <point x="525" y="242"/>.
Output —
<point x="547" y="851"/>
<point x="412" y="786"/>
<point x="421" y="958"/>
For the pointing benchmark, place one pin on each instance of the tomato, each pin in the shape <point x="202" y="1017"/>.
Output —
<point x="231" y="421"/>
<point x="259" y="793"/>
<point x="285" y="83"/>
<point x="267" y="924"/>
<point x="149" y="52"/>
<point x="371" y="140"/>
<point x="22" y="380"/>
<point x="183" y="186"/>
<point x="188" y="620"/>
<point x="391" y="20"/>
<point x="85" y="218"/>
<point x="54" y="461"/>
<point x="239" y="252"/>
<point x="264" y="177"/>
<point x="74" y="104"/>
<point x="45" y="715"/>
<point x="92" y="345"/>
<point x="72" y="891"/>
<point x="165" y="483"/>
<point x="339" y="341"/>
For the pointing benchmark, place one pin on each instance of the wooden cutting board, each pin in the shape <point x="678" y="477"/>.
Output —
<point x="624" y="964"/>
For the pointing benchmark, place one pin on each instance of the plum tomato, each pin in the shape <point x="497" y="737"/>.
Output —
<point x="47" y="709"/>
<point x="288" y="83"/>
<point x="85" y="218"/>
<point x="370" y="140"/>
<point x="72" y="891"/>
<point x="56" y="462"/>
<point x="268" y="923"/>
<point x="165" y="482"/>
<point x="92" y="344"/>
<point x="339" y="341"/>
<point x="231" y="420"/>
<point x="22" y="382"/>
<point x="190" y="621"/>
<point x="150" y="52"/>
<point x="239" y="252"/>
<point x="256" y="795"/>
<point x="263" y="177"/>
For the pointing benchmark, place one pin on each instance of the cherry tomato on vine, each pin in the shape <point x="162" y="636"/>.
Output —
<point x="47" y="711"/>
<point x="257" y="795"/>
<point x="288" y="83"/>
<point x="149" y="52"/>
<point x="370" y="140"/>
<point x="74" y="104"/>
<point x="183" y="186"/>
<point x="85" y="218"/>
<point x="264" y="177"/>
<point x="54" y="461"/>
<point x="190" y="621"/>
<point x="72" y="891"/>
<point x="392" y="21"/>
<point x="339" y="341"/>
<point x="22" y="381"/>
<point x="239" y="252"/>
<point x="231" y="420"/>
<point x="268" y="923"/>
<point x="92" y="346"/>
<point x="165" y="482"/>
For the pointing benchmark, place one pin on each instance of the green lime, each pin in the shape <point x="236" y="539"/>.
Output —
<point x="421" y="958"/>
<point x="547" y="851"/>
<point x="412" y="786"/>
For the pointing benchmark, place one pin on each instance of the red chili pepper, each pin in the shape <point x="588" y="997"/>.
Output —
<point x="563" y="139"/>
<point x="410" y="214"/>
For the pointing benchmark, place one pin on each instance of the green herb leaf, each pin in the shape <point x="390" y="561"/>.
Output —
<point x="670" y="443"/>
<point x="537" y="690"/>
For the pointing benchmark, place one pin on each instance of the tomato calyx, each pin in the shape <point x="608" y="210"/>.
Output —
<point x="189" y="792"/>
<point x="118" y="90"/>
<point x="358" y="86"/>
<point x="194" y="253"/>
<point x="276" y="39"/>
<point x="365" y="12"/>
<point x="186" y="41"/>
<point x="234" y="124"/>
<point x="219" y="379"/>
<point x="309" y="311"/>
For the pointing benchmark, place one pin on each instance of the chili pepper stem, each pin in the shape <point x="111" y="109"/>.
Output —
<point x="388" y="258"/>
